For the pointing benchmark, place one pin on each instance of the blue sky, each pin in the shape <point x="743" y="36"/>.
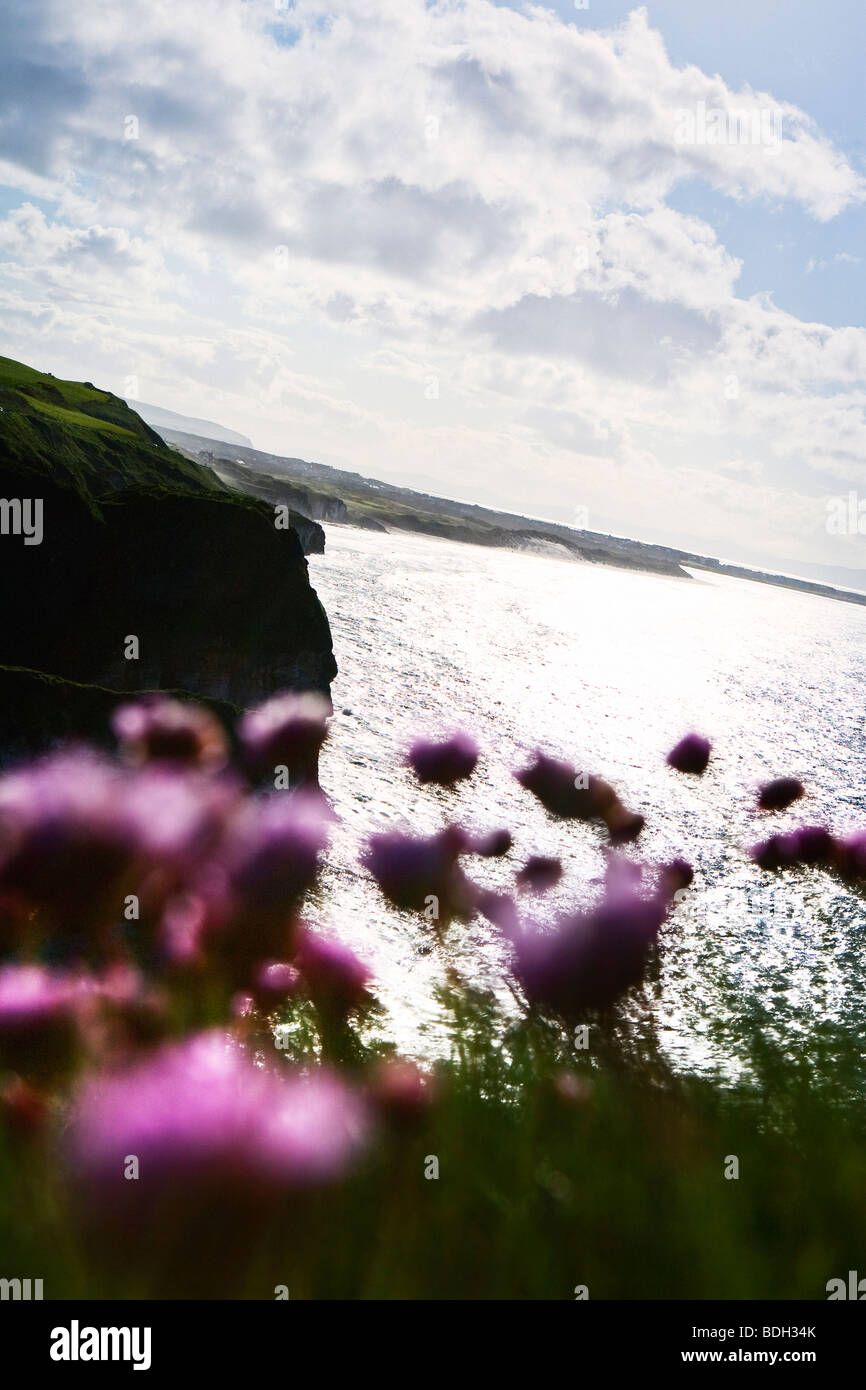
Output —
<point x="462" y="244"/>
<point x="806" y="53"/>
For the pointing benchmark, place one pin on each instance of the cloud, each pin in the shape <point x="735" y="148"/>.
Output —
<point x="291" y="219"/>
<point x="626" y="336"/>
<point x="841" y="258"/>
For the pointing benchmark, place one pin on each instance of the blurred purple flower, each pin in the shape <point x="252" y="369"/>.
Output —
<point x="560" y="789"/>
<point x="691" y="754"/>
<point x="40" y="1015"/>
<point x="158" y="728"/>
<point x="623" y="826"/>
<point x="675" y="876"/>
<point x="779" y="851"/>
<point x="849" y="855"/>
<point x="243" y="910"/>
<point x="335" y="979"/>
<point x="810" y="844"/>
<point x="539" y="873"/>
<point x="287" y="730"/>
<point x="275" y="981"/>
<point x="422" y="875"/>
<point x="446" y="762"/>
<point x="491" y="845"/>
<point x="780" y="793"/>
<point x="272" y="852"/>
<point x="187" y="921"/>
<point x="579" y="796"/>
<point x="500" y="909"/>
<point x="64" y="842"/>
<point x="814" y="844"/>
<point x="591" y="958"/>
<point x="215" y="1137"/>
<point x="177" y="817"/>
<point x="400" y="1092"/>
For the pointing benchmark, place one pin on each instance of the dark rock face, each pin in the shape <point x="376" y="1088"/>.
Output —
<point x="219" y="600"/>
<point x="38" y="711"/>
<point x="148" y="572"/>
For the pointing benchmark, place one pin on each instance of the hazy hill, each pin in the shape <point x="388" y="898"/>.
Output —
<point x="162" y="419"/>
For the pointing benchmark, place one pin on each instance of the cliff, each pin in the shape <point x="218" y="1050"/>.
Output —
<point x="137" y="541"/>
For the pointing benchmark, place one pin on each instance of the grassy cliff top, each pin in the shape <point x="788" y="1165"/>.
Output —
<point x="87" y="439"/>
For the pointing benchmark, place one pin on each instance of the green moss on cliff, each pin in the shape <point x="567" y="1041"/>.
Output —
<point x="87" y="439"/>
<point x="38" y="710"/>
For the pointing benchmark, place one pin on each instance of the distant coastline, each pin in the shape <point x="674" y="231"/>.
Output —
<point x="336" y="496"/>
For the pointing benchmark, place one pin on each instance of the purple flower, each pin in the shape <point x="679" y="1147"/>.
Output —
<point x="422" y="875"/>
<point x="579" y="796"/>
<point x="591" y="958"/>
<point x="158" y="728"/>
<point x="564" y="791"/>
<point x="810" y="844"/>
<point x="215" y="1137"/>
<point x="336" y="980"/>
<point x="287" y="731"/>
<point x="40" y="1013"/>
<point x="780" y="793"/>
<point x="500" y="909"/>
<point x="180" y="821"/>
<point x="814" y="844"/>
<point x="273" y="850"/>
<point x="675" y="876"/>
<point x="691" y="754"/>
<point x="777" y="852"/>
<point x="187" y="922"/>
<point x="400" y="1092"/>
<point x="271" y="860"/>
<point x="275" y="982"/>
<point x="849" y="855"/>
<point x="64" y="842"/>
<point x="623" y="826"/>
<point x="539" y="873"/>
<point x="491" y="845"/>
<point x="176" y="817"/>
<point x="447" y="762"/>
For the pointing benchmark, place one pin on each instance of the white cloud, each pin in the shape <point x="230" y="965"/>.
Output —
<point x="319" y="210"/>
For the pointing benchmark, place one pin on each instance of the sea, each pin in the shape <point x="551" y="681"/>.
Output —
<point x="607" y="668"/>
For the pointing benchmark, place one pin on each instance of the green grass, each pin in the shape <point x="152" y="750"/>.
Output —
<point x="88" y="440"/>
<point x="76" y="417"/>
<point x="622" y="1190"/>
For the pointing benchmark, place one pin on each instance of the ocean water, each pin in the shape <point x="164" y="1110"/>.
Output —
<point x="607" y="668"/>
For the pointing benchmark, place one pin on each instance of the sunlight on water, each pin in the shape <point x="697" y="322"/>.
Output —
<point x="606" y="668"/>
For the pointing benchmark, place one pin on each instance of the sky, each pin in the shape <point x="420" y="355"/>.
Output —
<point x="598" y="263"/>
